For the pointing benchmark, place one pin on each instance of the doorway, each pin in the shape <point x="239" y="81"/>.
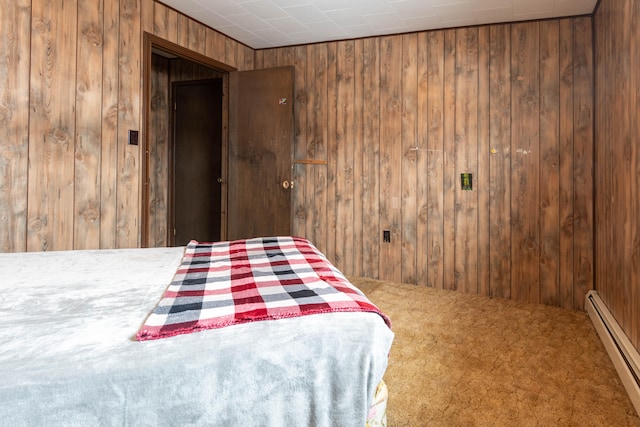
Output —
<point x="197" y="161"/>
<point x="156" y="167"/>
<point x="165" y="63"/>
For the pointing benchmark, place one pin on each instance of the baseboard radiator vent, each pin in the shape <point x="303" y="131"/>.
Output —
<point x="623" y="354"/>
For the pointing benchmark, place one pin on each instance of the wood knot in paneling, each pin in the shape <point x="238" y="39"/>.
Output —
<point x="38" y="223"/>
<point x="82" y="87"/>
<point x="58" y="136"/>
<point x="90" y="213"/>
<point x="423" y="213"/>
<point x="411" y="154"/>
<point x="93" y="35"/>
<point x="5" y="113"/>
<point x="111" y="116"/>
<point x="42" y="26"/>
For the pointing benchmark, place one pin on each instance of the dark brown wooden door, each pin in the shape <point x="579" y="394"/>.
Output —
<point x="260" y="152"/>
<point x="197" y="160"/>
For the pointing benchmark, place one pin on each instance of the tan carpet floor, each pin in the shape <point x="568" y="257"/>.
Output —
<point x="467" y="360"/>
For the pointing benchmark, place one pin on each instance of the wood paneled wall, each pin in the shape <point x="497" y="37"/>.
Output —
<point x="399" y="119"/>
<point x="70" y="90"/>
<point x="617" y="59"/>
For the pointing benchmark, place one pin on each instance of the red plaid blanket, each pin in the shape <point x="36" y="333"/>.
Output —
<point x="226" y="283"/>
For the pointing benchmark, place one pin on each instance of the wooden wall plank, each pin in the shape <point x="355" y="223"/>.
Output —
<point x="286" y="56"/>
<point x="370" y="158"/>
<point x="270" y="58"/>
<point x="500" y="161"/>
<point x="215" y="45"/>
<point x="147" y="17"/>
<point x="109" y="154"/>
<point x="603" y="222"/>
<point x="52" y="125"/>
<point x="15" y="22"/>
<point x="615" y="133"/>
<point x="128" y="209"/>
<point x="231" y="55"/>
<point x="436" y="159"/>
<point x="331" y="151"/>
<point x="484" y="153"/>
<point x="258" y="59"/>
<point x="565" y="197"/>
<point x="466" y="160"/>
<point x="583" y="160"/>
<point x="620" y="134"/>
<point x="601" y="225"/>
<point x="300" y="138"/>
<point x="88" y="144"/>
<point x="249" y="58"/>
<point x="320" y="144"/>
<point x="549" y="162"/>
<point x="410" y="152"/>
<point x="197" y="37"/>
<point x="525" y="111"/>
<point x="165" y="22"/>
<point x="172" y="25"/>
<point x="308" y="150"/>
<point x="159" y="152"/>
<point x="391" y="155"/>
<point x="633" y="330"/>
<point x="356" y="155"/>
<point x="611" y="95"/>
<point x="240" y="57"/>
<point x="450" y="181"/>
<point x="182" y="30"/>
<point x="422" y="161"/>
<point x="627" y="129"/>
<point x="345" y="121"/>
<point x="160" y="21"/>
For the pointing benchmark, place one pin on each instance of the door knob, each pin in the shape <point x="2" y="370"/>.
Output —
<point x="219" y="180"/>
<point x="287" y="184"/>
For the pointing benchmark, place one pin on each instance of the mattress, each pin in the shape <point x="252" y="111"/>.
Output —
<point x="68" y="354"/>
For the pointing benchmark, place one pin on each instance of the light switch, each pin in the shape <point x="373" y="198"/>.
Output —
<point x="133" y="137"/>
<point x="466" y="181"/>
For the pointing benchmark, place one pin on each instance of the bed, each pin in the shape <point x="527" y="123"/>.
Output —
<point x="69" y="353"/>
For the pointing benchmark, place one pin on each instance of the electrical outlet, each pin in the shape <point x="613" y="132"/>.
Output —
<point x="386" y="236"/>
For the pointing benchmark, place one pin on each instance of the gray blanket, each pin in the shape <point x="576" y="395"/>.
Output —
<point x="67" y="354"/>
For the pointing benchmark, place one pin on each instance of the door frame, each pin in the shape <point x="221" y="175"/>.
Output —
<point x="150" y="43"/>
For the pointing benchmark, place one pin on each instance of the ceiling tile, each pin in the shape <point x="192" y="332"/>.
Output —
<point x="249" y="21"/>
<point x="222" y="7"/>
<point x="503" y="14"/>
<point x="345" y="17"/>
<point x="413" y="9"/>
<point x="306" y="13"/>
<point x="265" y="9"/>
<point x="288" y="25"/>
<point x="372" y="7"/>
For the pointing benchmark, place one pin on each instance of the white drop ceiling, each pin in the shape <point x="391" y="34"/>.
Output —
<point x="274" y="23"/>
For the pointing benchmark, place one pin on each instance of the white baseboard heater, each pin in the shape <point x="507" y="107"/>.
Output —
<point x="623" y="354"/>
